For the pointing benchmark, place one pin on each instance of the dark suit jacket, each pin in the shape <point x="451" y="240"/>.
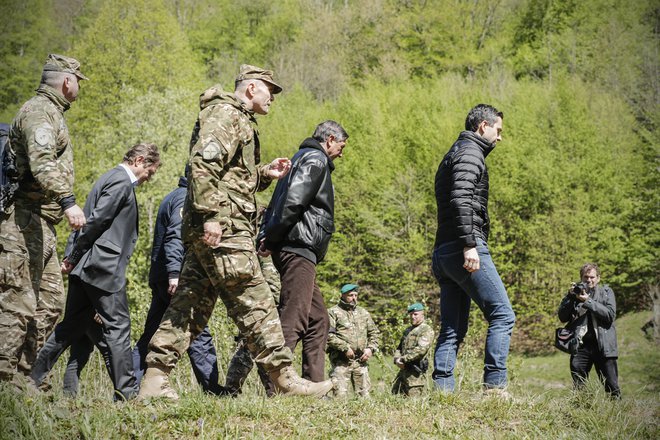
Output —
<point x="102" y="249"/>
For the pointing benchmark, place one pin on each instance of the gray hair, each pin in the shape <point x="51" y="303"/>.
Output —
<point x="480" y="113"/>
<point x="148" y="151"/>
<point x="329" y="128"/>
<point x="53" y="79"/>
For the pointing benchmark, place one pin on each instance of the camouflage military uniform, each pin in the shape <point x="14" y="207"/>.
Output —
<point x="351" y="327"/>
<point x="242" y="363"/>
<point x="222" y="185"/>
<point x="414" y="346"/>
<point x="32" y="291"/>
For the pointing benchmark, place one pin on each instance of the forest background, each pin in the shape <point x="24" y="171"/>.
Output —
<point x="574" y="180"/>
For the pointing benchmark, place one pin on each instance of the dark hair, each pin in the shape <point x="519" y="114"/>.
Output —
<point x="148" y="151"/>
<point x="329" y="128"/>
<point x="479" y="113"/>
<point x="587" y="267"/>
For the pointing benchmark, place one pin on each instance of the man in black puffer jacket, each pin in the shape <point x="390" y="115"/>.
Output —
<point x="297" y="228"/>
<point x="461" y="261"/>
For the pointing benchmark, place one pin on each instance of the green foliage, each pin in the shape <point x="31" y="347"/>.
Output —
<point x="543" y="405"/>
<point x="575" y="178"/>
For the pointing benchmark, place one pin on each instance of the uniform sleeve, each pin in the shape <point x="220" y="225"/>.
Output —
<point x="112" y="197"/>
<point x="466" y="171"/>
<point x="264" y="179"/>
<point x="424" y="341"/>
<point x="41" y="141"/>
<point x="373" y="334"/>
<point x="217" y="144"/>
<point x="172" y="243"/>
<point x="335" y="343"/>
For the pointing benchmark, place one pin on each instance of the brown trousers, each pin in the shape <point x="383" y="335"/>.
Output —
<point x="302" y="312"/>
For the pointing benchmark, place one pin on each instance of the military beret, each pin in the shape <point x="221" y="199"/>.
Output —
<point x="417" y="307"/>
<point x="252" y="72"/>
<point x="60" y="63"/>
<point x="348" y="288"/>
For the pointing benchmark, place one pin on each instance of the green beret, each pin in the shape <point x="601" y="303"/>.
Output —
<point x="60" y="63"/>
<point x="253" y="72"/>
<point x="417" y="307"/>
<point x="348" y="288"/>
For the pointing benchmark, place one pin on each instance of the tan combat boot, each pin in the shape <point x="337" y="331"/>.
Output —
<point x="155" y="383"/>
<point x="288" y="383"/>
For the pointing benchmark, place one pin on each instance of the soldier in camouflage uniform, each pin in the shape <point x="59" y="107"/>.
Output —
<point x="410" y="355"/>
<point x="353" y="338"/>
<point x="242" y="363"/>
<point x="31" y="287"/>
<point x="219" y="228"/>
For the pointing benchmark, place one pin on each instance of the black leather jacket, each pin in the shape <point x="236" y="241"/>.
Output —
<point x="300" y="217"/>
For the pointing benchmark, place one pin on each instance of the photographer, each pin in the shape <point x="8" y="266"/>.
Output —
<point x="596" y="306"/>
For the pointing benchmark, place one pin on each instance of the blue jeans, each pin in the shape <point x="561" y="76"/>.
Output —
<point x="458" y="288"/>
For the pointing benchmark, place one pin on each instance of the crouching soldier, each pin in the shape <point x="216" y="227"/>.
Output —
<point x="410" y="355"/>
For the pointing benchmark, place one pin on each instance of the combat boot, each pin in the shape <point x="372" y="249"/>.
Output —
<point x="288" y="383"/>
<point x="156" y="383"/>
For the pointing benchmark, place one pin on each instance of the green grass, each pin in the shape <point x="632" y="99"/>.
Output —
<point x="544" y="406"/>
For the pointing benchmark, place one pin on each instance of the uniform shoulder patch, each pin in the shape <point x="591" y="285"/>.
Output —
<point x="43" y="136"/>
<point x="211" y="151"/>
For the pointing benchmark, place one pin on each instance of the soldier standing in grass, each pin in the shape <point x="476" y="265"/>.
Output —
<point x="410" y="355"/>
<point x="31" y="286"/>
<point x="219" y="228"/>
<point x="242" y="362"/>
<point x="353" y="339"/>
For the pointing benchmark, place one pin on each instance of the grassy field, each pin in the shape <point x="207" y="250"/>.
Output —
<point x="544" y="406"/>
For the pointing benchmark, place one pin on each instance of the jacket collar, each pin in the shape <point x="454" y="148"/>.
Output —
<point x="316" y="145"/>
<point x="346" y="306"/>
<point x="183" y="182"/>
<point x="54" y="96"/>
<point x="486" y="147"/>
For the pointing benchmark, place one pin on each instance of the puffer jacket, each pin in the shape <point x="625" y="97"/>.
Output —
<point x="601" y="310"/>
<point x="300" y="216"/>
<point x="461" y="191"/>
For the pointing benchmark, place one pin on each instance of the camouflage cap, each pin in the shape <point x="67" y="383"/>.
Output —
<point x="60" y="63"/>
<point x="348" y="288"/>
<point x="417" y="307"/>
<point x="252" y="72"/>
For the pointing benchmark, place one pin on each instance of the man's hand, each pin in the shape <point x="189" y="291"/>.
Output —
<point x="350" y="354"/>
<point x="471" y="256"/>
<point x="279" y="168"/>
<point x="212" y="234"/>
<point x="366" y="355"/>
<point x="66" y="266"/>
<point x="262" y="251"/>
<point x="582" y="297"/>
<point x="399" y="363"/>
<point x="172" y="284"/>
<point x="75" y="216"/>
<point x="97" y="318"/>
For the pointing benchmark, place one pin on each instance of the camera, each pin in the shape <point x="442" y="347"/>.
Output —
<point x="578" y="288"/>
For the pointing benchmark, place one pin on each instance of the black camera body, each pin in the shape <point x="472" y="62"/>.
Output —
<point x="578" y="288"/>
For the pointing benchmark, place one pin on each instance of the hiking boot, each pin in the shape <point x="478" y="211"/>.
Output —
<point x="288" y="383"/>
<point x="156" y="383"/>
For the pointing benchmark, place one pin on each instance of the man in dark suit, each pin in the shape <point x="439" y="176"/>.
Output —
<point x="96" y="259"/>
